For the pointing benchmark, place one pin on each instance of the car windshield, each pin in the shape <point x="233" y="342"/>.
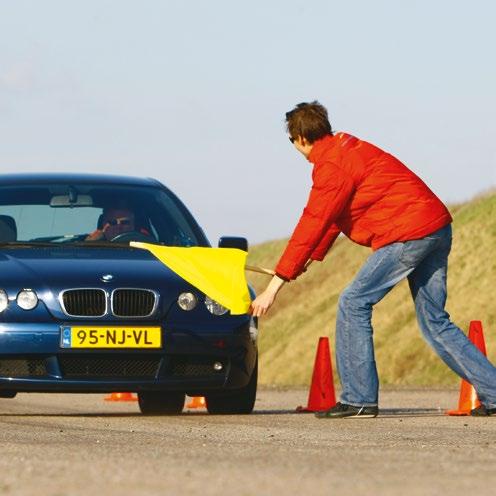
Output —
<point x="87" y="213"/>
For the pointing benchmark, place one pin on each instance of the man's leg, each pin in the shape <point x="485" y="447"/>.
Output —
<point x="354" y="343"/>
<point x="428" y="288"/>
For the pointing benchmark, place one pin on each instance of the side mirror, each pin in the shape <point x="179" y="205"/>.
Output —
<point x="233" y="242"/>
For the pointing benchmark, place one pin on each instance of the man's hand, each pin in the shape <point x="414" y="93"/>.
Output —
<point x="96" y="235"/>
<point x="261" y="304"/>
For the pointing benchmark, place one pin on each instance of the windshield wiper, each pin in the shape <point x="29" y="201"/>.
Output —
<point x="23" y="244"/>
<point x="44" y="244"/>
<point x="97" y="244"/>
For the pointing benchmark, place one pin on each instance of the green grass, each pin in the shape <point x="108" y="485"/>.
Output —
<point x="306" y="308"/>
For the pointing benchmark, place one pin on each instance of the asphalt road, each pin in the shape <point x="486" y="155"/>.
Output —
<point x="59" y="445"/>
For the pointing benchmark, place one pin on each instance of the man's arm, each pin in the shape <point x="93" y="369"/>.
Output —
<point x="325" y="244"/>
<point x="331" y="191"/>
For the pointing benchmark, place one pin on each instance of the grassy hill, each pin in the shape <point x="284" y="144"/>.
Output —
<point x="306" y="308"/>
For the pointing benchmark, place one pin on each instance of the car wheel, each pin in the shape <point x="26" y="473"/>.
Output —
<point x="161" y="402"/>
<point x="234" y="402"/>
<point x="8" y="394"/>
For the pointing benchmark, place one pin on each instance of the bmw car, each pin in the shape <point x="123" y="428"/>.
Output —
<point x="82" y="311"/>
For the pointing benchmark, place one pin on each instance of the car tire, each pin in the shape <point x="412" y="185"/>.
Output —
<point x="8" y="394"/>
<point x="239" y="401"/>
<point x="161" y="402"/>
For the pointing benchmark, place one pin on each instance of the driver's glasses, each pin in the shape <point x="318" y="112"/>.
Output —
<point x="121" y="221"/>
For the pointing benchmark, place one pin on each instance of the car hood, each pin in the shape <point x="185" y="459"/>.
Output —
<point x="51" y="270"/>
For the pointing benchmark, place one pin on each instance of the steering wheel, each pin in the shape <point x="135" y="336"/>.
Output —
<point x="131" y="236"/>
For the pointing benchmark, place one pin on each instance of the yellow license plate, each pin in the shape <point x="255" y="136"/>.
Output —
<point x="111" y="337"/>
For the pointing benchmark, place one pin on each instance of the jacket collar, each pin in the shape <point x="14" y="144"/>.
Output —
<point x="323" y="145"/>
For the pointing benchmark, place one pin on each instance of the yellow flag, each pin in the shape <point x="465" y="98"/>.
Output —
<point x="217" y="272"/>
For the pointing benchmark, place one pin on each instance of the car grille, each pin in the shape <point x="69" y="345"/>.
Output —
<point x="74" y="366"/>
<point x="133" y="302"/>
<point x="84" y="302"/>
<point x="22" y="367"/>
<point x="193" y="366"/>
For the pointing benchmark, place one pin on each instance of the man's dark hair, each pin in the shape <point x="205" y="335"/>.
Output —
<point x="308" y="120"/>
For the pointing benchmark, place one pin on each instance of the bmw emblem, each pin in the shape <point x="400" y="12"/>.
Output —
<point x="107" y="277"/>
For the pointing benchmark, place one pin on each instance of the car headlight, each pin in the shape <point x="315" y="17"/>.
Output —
<point x="4" y="300"/>
<point x="27" y="299"/>
<point x="187" y="301"/>
<point x="215" y="308"/>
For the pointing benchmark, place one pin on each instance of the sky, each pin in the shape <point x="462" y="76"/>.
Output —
<point x="194" y="94"/>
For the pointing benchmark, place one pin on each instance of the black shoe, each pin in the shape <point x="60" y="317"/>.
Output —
<point x="482" y="411"/>
<point x="342" y="410"/>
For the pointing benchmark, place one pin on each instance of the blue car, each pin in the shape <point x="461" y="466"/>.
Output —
<point x="83" y="311"/>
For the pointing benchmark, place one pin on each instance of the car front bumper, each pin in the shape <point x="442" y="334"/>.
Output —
<point x="32" y="360"/>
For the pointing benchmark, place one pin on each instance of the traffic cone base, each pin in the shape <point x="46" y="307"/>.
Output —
<point x="197" y="402"/>
<point x="468" y="400"/>
<point x="321" y="396"/>
<point x="468" y="397"/>
<point x="121" y="397"/>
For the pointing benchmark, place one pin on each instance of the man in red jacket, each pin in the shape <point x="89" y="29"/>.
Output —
<point x="376" y="201"/>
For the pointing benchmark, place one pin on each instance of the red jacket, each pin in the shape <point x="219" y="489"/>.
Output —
<point x="365" y="193"/>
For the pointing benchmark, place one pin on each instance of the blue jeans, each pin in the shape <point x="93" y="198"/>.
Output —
<point x="425" y="263"/>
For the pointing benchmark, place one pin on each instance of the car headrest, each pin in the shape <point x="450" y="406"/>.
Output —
<point x="99" y="224"/>
<point x="8" y="229"/>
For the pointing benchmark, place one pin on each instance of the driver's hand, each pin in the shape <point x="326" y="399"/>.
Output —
<point x="96" y="235"/>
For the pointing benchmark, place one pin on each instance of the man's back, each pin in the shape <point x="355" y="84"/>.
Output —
<point x="389" y="202"/>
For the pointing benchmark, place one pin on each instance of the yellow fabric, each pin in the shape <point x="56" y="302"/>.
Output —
<point x="217" y="272"/>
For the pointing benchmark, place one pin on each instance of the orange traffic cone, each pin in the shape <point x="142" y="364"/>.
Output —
<point x="321" y="396"/>
<point x="197" y="402"/>
<point x="121" y="397"/>
<point x="468" y="397"/>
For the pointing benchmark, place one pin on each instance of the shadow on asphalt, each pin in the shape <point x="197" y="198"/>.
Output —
<point x="82" y="415"/>
<point x="138" y="414"/>
<point x="411" y="412"/>
<point x="383" y="413"/>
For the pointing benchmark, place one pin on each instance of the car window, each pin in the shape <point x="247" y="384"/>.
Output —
<point x="42" y="221"/>
<point x="65" y="213"/>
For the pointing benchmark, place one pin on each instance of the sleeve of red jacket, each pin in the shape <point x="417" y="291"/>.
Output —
<point x="326" y="242"/>
<point x="331" y="191"/>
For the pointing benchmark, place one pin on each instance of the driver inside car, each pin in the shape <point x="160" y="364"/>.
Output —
<point x="115" y="221"/>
